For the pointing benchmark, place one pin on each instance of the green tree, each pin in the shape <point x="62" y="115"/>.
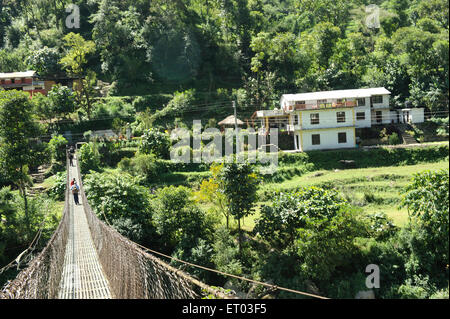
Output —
<point x="62" y="100"/>
<point x="426" y="199"/>
<point x="18" y="136"/>
<point x="89" y="157"/>
<point x="156" y="142"/>
<point x="124" y="204"/>
<point x="210" y="192"/>
<point x="178" y="219"/>
<point x="288" y="212"/>
<point x="74" y="62"/>
<point x="57" y="146"/>
<point x="45" y="62"/>
<point x="239" y="184"/>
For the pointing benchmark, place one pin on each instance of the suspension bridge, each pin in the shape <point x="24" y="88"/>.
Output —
<point x="87" y="259"/>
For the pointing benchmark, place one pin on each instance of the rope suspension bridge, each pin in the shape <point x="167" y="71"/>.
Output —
<point x="88" y="259"/>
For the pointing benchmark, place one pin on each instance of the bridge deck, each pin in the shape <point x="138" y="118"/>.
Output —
<point x="82" y="276"/>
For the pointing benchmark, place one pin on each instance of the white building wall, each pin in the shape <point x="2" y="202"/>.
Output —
<point x="328" y="139"/>
<point x="385" y="116"/>
<point x="367" y="119"/>
<point x="327" y="118"/>
<point x="417" y="115"/>
<point x="384" y="104"/>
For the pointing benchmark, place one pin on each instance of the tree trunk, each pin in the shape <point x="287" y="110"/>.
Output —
<point x="240" y="237"/>
<point x="23" y="193"/>
<point x="88" y="101"/>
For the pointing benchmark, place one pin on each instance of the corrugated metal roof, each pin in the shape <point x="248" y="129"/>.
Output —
<point x="338" y="94"/>
<point x="13" y="75"/>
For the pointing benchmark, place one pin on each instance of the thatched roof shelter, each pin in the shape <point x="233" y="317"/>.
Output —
<point x="229" y="120"/>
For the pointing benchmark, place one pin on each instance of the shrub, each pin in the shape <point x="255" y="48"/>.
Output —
<point x="178" y="219"/>
<point x="57" y="191"/>
<point x="156" y="142"/>
<point x="89" y="158"/>
<point x="278" y="222"/>
<point x="122" y="201"/>
<point x="394" y="139"/>
<point x="57" y="146"/>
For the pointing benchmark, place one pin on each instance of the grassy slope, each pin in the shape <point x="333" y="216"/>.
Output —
<point x="384" y="183"/>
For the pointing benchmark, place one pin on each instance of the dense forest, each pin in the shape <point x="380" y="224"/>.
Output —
<point x="144" y="68"/>
<point x="249" y="50"/>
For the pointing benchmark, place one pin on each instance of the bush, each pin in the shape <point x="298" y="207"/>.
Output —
<point x="89" y="158"/>
<point x="394" y="139"/>
<point x="226" y="252"/>
<point x="156" y="142"/>
<point x="144" y="165"/>
<point x="124" y="204"/>
<point x="57" y="146"/>
<point x="426" y="199"/>
<point x="57" y="191"/>
<point x="152" y="102"/>
<point x="178" y="219"/>
<point x="367" y="158"/>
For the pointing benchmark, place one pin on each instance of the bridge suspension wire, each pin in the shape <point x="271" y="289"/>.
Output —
<point x="30" y="247"/>
<point x="41" y="278"/>
<point x="274" y="287"/>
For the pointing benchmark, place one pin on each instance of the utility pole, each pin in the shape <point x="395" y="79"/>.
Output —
<point x="236" y="127"/>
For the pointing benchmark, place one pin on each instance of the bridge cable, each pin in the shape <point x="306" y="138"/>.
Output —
<point x="274" y="287"/>
<point x="30" y="248"/>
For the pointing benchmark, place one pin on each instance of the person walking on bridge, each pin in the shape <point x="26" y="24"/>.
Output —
<point x="75" y="190"/>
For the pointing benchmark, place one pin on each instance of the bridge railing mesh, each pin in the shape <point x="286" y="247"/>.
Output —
<point x="40" y="280"/>
<point x="132" y="272"/>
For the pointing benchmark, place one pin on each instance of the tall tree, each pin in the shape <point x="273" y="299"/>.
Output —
<point x="18" y="136"/>
<point x="239" y="184"/>
<point x="75" y="61"/>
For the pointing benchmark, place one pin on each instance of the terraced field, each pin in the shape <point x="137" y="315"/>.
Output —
<point x="373" y="189"/>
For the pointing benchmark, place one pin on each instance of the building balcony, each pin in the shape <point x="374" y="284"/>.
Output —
<point x="318" y="106"/>
<point x="292" y="128"/>
<point x="269" y="113"/>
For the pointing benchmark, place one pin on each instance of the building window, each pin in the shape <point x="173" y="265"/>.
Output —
<point x="361" y="101"/>
<point x="342" y="137"/>
<point x="340" y="117"/>
<point x="377" y="99"/>
<point x="360" y="116"/>
<point x="296" y="116"/>
<point x="314" y="118"/>
<point x="315" y="139"/>
<point x="379" y="116"/>
<point x="300" y="105"/>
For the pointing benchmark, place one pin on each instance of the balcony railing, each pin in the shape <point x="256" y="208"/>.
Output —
<point x="316" y="106"/>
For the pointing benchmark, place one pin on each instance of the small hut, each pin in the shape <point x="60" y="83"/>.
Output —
<point x="229" y="122"/>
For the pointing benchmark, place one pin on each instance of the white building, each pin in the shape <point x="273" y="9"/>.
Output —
<point x="327" y="120"/>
